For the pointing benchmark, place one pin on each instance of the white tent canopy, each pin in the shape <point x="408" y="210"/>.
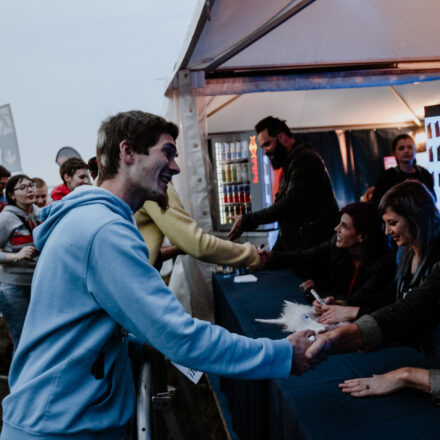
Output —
<point x="313" y="33"/>
<point x="319" y="64"/>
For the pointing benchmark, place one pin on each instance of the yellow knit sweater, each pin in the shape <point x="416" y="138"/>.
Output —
<point x="183" y="232"/>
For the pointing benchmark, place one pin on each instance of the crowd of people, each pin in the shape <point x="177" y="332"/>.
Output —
<point x="78" y="273"/>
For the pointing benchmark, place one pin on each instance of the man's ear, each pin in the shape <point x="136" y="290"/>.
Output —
<point x="67" y="179"/>
<point x="282" y="137"/>
<point x="126" y="152"/>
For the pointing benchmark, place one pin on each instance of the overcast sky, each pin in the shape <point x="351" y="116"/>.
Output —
<point x="67" y="65"/>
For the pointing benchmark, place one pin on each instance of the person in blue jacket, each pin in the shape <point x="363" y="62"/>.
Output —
<point x="71" y="376"/>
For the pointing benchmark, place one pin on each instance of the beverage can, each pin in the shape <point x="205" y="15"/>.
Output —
<point x="244" y="149"/>
<point x="233" y="151"/>
<point x="225" y="194"/>
<point x="234" y="172"/>
<point x="245" y="172"/>
<point x="238" y="152"/>
<point x="247" y="194"/>
<point x="228" y="173"/>
<point x="223" y="173"/>
<point x="241" y="197"/>
<point x="227" y="151"/>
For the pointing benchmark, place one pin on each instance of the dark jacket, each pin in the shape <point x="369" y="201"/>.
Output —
<point x="416" y="314"/>
<point x="305" y="206"/>
<point x="332" y="270"/>
<point x="395" y="175"/>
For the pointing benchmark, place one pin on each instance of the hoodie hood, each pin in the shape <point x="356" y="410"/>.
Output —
<point x="34" y="215"/>
<point x="84" y="195"/>
<point x="60" y="192"/>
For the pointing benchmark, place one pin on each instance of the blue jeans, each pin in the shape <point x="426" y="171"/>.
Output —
<point x="14" y="302"/>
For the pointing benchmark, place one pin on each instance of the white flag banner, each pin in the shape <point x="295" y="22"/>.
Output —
<point x="9" y="154"/>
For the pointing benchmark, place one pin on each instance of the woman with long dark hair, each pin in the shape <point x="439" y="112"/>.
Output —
<point x="413" y="221"/>
<point x="355" y="270"/>
<point x="18" y="256"/>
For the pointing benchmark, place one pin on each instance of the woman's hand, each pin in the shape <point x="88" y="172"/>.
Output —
<point x="378" y="385"/>
<point x="320" y="309"/>
<point x="27" y="252"/>
<point x="332" y="314"/>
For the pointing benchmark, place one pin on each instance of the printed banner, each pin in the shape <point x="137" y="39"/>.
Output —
<point x="9" y="154"/>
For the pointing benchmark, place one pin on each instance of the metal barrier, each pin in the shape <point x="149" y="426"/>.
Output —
<point x="143" y="403"/>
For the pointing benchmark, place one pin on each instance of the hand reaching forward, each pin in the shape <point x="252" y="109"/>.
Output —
<point x="301" y="341"/>
<point x="388" y="383"/>
<point x="237" y="228"/>
<point x="342" y="339"/>
<point x="265" y="257"/>
<point x="333" y="314"/>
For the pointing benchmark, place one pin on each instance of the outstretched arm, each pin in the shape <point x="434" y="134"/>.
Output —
<point x="132" y="292"/>
<point x="381" y="384"/>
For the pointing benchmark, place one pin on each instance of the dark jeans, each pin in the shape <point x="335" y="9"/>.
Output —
<point x="14" y="302"/>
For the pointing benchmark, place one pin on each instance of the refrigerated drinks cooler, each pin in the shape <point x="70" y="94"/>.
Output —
<point x="243" y="180"/>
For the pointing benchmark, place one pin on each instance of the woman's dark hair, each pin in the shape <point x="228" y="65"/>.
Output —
<point x="12" y="182"/>
<point x="399" y="138"/>
<point x="413" y="201"/>
<point x="396" y="141"/>
<point x="367" y="223"/>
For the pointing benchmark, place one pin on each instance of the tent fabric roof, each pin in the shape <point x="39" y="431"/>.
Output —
<point x="305" y="109"/>
<point x="322" y="33"/>
<point x="334" y="61"/>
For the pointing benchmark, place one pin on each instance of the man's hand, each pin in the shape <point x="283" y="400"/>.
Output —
<point x="300" y="342"/>
<point x="237" y="228"/>
<point x="333" y="314"/>
<point x="342" y="339"/>
<point x="265" y="256"/>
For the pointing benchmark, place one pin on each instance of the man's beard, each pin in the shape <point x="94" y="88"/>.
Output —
<point x="278" y="157"/>
<point x="162" y="201"/>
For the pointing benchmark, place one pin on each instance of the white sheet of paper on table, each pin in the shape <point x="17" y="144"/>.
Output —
<point x="191" y="374"/>
<point x="249" y="278"/>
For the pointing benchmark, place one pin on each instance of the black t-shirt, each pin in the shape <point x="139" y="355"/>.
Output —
<point x="395" y="175"/>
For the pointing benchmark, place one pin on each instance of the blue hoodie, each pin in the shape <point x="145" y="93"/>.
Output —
<point x="93" y="279"/>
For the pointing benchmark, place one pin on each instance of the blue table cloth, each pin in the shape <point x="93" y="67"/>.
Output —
<point x="312" y="406"/>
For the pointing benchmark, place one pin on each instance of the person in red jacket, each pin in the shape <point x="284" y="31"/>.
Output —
<point x="74" y="172"/>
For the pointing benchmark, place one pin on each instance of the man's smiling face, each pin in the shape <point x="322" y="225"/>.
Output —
<point x="153" y="171"/>
<point x="272" y="148"/>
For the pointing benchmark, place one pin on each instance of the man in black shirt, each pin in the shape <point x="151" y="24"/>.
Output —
<point x="305" y="206"/>
<point x="404" y="149"/>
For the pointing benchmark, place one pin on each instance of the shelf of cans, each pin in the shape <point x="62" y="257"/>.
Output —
<point x="234" y="194"/>
<point x="433" y="130"/>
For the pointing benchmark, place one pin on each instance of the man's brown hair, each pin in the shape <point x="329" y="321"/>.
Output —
<point x="70" y="166"/>
<point x="4" y="172"/>
<point x="39" y="182"/>
<point x="142" y="130"/>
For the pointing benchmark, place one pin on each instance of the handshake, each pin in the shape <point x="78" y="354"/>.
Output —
<point x="309" y="348"/>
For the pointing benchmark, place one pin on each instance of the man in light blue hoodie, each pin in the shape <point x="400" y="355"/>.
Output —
<point x="71" y="377"/>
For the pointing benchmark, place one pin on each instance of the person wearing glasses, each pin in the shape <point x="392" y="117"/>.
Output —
<point x="18" y="256"/>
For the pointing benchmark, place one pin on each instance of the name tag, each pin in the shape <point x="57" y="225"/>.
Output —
<point x="193" y="375"/>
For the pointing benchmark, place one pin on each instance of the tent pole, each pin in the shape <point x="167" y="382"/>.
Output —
<point x="400" y="98"/>
<point x="225" y="104"/>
